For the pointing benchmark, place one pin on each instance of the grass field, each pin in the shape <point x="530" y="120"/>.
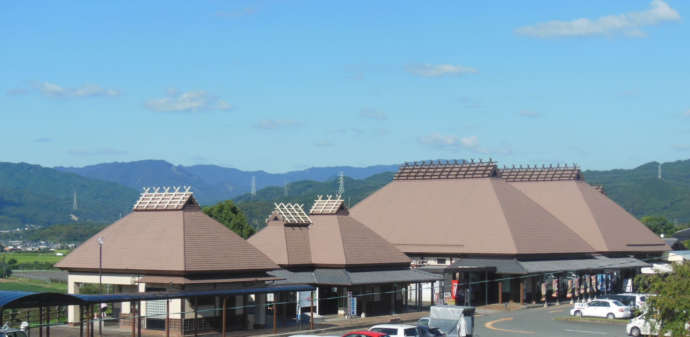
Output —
<point x="22" y="284"/>
<point x="30" y="257"/>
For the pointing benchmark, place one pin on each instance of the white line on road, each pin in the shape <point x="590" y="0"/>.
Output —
<point x="585" y="331"/>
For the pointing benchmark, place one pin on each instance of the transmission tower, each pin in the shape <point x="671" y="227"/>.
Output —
<point x="341" y="183"/>
<point x="75" y="206"/>
<point x="285" y="188"/>
<point x="253" y="186"/>
<point x="659" y="171"/>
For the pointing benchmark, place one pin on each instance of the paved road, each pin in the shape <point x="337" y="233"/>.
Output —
<point x="537" y="322"/>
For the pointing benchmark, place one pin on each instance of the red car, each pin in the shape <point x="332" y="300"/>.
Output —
<point x="364" y="334"/>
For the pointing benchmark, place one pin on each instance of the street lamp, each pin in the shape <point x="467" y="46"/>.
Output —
<point x="100" y="283"/>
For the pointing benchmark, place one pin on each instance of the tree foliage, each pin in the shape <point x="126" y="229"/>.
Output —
<point x="227" y="213"/>
<point x="671" y="305"/>
<point x="658" y="224"/>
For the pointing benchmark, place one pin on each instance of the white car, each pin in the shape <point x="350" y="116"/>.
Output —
<point x="601" y="308"/>
<point x="642" y="326"/>
<point x="396" y="330"/>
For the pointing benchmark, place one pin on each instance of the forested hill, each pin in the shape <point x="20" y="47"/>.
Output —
<point x="31" y="194"/>
<point x="257" y="208"/>
<point x="212" y="183"/>
<point x="641" y="192"/>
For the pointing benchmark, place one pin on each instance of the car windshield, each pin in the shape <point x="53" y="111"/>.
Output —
<point x="436" y="332"/>
<point x="411" y="332"/>
<point x="386" y="331"/>
<point x="618" y="303"/>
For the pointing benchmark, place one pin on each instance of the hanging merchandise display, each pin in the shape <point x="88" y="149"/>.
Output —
<point x="588" y="283"/>
<point x="543" y="291"/>
<point x="576" y="285"/>
<point x="554" y="284"/>
<point x="570" y="288"/>
<point x="594" y="283"/>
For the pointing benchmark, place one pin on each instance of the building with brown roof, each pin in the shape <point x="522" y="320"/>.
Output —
<point x="498" y="222"/>
<point x="329" y="249"/>
<point x="168" y="244"/>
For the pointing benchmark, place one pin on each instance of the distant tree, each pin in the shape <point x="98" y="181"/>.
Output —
<point x="227" y="213"/>
<point x="670" y="308"/>
<point x="658" y="224"/>
<point x="5" y="268"/>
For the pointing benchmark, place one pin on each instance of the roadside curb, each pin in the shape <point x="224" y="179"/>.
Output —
<point x="593" y="320"/>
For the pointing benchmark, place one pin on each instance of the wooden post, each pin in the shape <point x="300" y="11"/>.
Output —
<point x="196" y="317"/>
<point x="40" y="321"/>
<point x="522" y="292"/>
<point x="224" y="319"/>
<point x="275" y="316"/>
<point x="167" y="317"/>
<point x="48" y="321"/>
<point x="183" y="316"/>
<point x="500" y="292"/>
<point x="139" y="317"/>
<point x="311" y="312"/>
<point x="91" y="333"/>
<point x="132" y="316"/>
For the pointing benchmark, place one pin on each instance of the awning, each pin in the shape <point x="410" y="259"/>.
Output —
<point x="514" y="266"/>
<point x="25" y="299"/>
<point x="344" y="277"/>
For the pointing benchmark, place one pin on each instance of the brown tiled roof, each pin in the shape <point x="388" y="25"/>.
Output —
<point x="591" y="214"/>
<point x="446" y="170"/>
<point x="540" y="174"/>
<point x="164" y="279"/>
<point x="457" y="216"/>
<point x="173" y="242"/>
<point x="331" y="240"/>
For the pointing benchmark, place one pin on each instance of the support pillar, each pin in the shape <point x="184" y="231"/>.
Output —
<point x="224" y="318"/>
<point x="522" y="291"/>
<point x="139" y="317"/>
<point x="433" y="292"/>
<point x="311" y="312"/>
<point x="486" y="288"/>
<point x="196" y="316"/>
<point x="260" y="301"/>
<point x="183" y="315"/>
<point x="500" y="292"/>
<point x="40" y="321"/>
<point x="81" y="321"/>
<point x="133" y="316"/>
<point x="167" y="317"/>
<point x="48" y="321"/>
<point x="275" y="316"/>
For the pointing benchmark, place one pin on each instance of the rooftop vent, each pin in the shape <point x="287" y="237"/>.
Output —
<point x="446" y="170"/>
<point x="329" y="205"/>
<point x="544" y="173"/>
<point x="165" y="198"/>
<point x="293" y="214"/>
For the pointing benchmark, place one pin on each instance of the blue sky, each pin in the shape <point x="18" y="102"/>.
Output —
<point x="283" y="85"/>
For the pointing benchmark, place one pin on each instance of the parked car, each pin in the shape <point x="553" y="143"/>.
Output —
<point x="644" y="326"/>
<point x="365" y="334"/>
<point x="425" y="331"/>
<point x="424" y="321"/>
<point x="633" y="300"/>
<point x="396" y="330"/>
<point x="8" y="332"/>
<point x="601" y="308"/>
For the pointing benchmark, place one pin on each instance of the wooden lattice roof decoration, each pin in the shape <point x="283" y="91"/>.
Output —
<point x="446" y="170"/>
<point x="165" y="198"/>
<point x="544" y="173"/>
<point x="292" y="214"/>
<point x="328" y="205"/>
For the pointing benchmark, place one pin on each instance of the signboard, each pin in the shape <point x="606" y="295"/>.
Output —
<point x="454" y="289"/>
<point x="304" y="299"/>
<point x="352" y="304"/>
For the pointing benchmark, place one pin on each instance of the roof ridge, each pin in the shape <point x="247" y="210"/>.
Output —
<point x="503" y="214"/>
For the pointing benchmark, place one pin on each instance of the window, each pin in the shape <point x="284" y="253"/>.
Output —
<point x="411" y="332"/>
<point x="618" y="303"/>
<point x="386" y="331"/>
<point x="440" y="261"/>
<point x="605" y="304"/>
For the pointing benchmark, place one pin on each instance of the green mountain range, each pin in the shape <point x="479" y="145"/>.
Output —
<point x="31" y="194"/>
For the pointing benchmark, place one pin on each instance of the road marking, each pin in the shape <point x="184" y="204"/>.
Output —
<point x="555" y="311"/>
<point x="490" y="325"/>
<point x="585" y="331"/>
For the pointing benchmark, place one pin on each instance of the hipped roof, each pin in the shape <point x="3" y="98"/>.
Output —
<point x="178" y="242"/>
<point x="511" y="211"/>
<point x="331" y="240"/>
<point x="457" y="216"/>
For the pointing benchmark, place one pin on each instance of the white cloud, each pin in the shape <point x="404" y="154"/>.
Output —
<point x="190" y="101"/>
<point x="438" y="70"/>
<point x="272" y="124"/>
<point x="450" y="142"/>
<point x="373" y="114"/>
<point x="681" y="147"/>
<point x="88" y="90"/>
<point x="529" y="114"/>
<point x="687" y="113"/>
<point x="628" y="24"/>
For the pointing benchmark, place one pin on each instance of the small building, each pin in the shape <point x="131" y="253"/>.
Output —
<point x="339" y="255"/>
<point x="167" y="244"/>
<point x="502" y="234"/>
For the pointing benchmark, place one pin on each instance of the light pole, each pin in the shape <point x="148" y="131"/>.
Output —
<point x="100" y="284"/>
